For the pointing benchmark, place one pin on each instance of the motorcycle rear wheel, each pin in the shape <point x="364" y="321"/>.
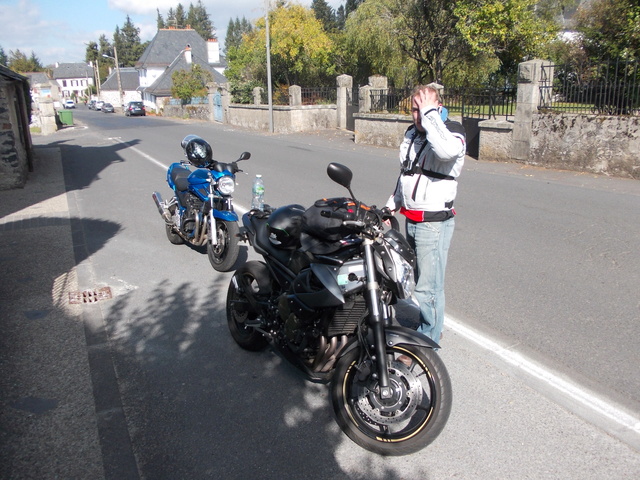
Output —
<point x="223" y="256"/>
<point x="173" y="237"/>
<point x="404" y="424"/>
<point x="252" y="275"/>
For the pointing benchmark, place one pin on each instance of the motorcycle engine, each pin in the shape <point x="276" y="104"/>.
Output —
<point x="193" y="206"/>
<point x="295" y="328"/>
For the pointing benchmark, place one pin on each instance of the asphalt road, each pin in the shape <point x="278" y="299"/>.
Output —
<point x="541" y="339"/>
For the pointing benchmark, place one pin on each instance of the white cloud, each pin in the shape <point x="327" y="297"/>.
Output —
<point x="143" y="7"/>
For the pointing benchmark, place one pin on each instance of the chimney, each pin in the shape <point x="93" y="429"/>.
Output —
<point x="213" y="51"/>
<point x="187" y="54"/>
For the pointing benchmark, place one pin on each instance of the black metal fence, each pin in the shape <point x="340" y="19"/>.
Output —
<point x="483" y="103"/>
<point x="611" y="88"/>
<point x="319" y="95"/>
<point x="391" y="100"/>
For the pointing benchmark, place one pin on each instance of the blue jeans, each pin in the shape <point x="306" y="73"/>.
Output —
<point x="431" y="242"/>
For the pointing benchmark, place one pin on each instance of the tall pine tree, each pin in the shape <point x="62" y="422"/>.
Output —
<point x="199" y="20"/>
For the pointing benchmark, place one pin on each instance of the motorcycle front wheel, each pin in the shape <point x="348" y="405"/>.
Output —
<point x="408" y="421"/>
<point x="223" y="256"/>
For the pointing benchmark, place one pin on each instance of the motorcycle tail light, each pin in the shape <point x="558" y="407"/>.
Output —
<point x="226" y="185"/>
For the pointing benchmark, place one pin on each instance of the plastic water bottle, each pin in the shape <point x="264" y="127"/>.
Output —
<point x="258" y="193"/>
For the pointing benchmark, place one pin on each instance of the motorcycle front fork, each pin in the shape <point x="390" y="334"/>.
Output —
<point x="377" y="321"/>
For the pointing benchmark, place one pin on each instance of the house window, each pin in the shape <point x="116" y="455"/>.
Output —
<point x="64" y="83"/>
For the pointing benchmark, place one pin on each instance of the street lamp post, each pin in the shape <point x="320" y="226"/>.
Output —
<point x="115" y="52"/>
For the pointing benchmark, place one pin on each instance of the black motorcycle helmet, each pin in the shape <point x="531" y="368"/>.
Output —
<point x="197" y="150"/>
<point x="284" y="225"/>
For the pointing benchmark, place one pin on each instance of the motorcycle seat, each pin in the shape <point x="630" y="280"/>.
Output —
<point x="179" y="176"/>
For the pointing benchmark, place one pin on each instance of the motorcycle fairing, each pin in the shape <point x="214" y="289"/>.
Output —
<point x="225" y="215"/>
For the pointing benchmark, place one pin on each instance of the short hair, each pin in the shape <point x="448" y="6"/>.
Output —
<point x="432" y="86"/>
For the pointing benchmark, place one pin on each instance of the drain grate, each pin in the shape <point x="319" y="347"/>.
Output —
<point x="90" y="296"/>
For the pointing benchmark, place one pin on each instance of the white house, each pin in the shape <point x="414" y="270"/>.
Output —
<point x="167" y="53"/>
<point x="73" y="79"/>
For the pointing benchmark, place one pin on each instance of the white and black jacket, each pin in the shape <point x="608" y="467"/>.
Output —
<point x="430" y="163"/>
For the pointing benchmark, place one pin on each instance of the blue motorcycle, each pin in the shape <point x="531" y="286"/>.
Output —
<point x="201" y="210"/>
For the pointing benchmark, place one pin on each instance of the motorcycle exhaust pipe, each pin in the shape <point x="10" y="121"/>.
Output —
<point x="164" y="213"/>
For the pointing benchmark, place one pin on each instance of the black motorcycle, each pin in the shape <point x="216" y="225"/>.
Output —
<point x="325" y="297"/>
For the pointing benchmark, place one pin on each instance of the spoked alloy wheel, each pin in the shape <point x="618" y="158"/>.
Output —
<point x="245" y="281"/>
<point x="408" y="421"/>
<point x="223" y="256"/>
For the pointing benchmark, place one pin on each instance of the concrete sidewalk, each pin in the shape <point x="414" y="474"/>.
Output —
<point x="48" y="422"/>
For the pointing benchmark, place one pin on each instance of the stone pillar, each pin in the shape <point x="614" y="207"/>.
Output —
<point x="47" y="116"/>
<point x="226" y="101"/>
<point x="212" y="88"/>
<point x="295" y="96"/>
<point x="364" y="99"/>
<point x="257" y="95"/>
<point x="345" y="85"/>
<point x="380" y="85"/>
<point x="528" y="97"/>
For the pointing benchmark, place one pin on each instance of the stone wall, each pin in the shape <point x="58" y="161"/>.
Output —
<point x="196" y="112"/>
<point x="599" y="144"/>
<point x="14" y="162"/>
<point x="380" y="129"/>
<point x="286" y="119"/>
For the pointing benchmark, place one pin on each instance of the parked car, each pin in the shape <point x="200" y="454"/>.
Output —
<point x="69" y="104"/>
<point x="99" y="104"/>
<point x="108" y="108"/>
<point x="134" y="108"/>
<point x="91" y="104"/>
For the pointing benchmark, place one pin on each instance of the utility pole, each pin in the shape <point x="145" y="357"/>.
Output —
<point x="115" y="52"/>
<point x="269" y="88"/>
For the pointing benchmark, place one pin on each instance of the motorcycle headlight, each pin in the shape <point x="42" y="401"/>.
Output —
<point x="404" y="277"/>
<point x="226" y="185"/>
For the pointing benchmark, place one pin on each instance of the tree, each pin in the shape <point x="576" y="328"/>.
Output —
<point x="235" y="30"/>
<point x="325" y="14"/>
<point x="199" y="20"/>
<point x="180" y="17"/>
<point x="3" y="57"/>
<point x="370" y="45"/>
<point x="127" y="41"/>
<point x="610" y="29"/>
<point x="18" y="62"/>
<point x="301" y="51"/>
<point x="351" y="6"/>
<point x="160" y="21"/>
<point x="188" y="84"/>
<point x="510" y="30"/>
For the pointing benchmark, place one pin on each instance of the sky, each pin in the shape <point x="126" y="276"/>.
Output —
<point x="58" y="30"/>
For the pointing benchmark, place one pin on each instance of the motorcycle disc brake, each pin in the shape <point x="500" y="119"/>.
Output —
<point x="407" y="395"/>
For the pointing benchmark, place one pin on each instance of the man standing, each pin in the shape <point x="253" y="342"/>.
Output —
<point x="431" y="158"/>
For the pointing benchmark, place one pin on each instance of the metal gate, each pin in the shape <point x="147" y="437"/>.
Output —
<point x="217" y="107"/>
<point x="478" y="105"/>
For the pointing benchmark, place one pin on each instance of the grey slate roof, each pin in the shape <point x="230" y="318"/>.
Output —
<point x="72" y="70"/>
<point x="37" y="77"/>
<point x="162" y="86"/>
<point x="168" y="43"/>
<point x="129" y="78"/>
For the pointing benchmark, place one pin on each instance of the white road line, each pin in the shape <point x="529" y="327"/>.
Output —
<point x="578" y="394"/>
<point x="574" y="392"/>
